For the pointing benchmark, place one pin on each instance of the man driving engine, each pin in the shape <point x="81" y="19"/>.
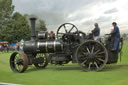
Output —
<point x="96" y="31"/>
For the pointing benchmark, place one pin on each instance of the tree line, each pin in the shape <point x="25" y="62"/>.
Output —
<point x="14" y="26"/>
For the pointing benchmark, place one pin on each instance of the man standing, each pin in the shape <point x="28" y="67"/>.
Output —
<point x="116" y="34"/>
<point x="96" y="31"/>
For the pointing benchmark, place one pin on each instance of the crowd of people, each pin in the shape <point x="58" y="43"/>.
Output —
<point x="4" y="48"/>
<point x="7" y="48"/>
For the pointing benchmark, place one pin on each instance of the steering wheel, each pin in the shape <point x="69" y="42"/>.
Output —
<point x="66" y="30"/>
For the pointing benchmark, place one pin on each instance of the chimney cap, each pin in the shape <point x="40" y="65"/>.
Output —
<point x="33" y="18"/>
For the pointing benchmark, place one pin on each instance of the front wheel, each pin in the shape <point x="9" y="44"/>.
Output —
<point x="18" y="62"/>
<point x="44" y="58"/>
<point x="92" y="56"/>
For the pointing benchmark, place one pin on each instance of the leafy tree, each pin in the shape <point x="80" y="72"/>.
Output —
<point x="6" y="10"/>
<point x="21" y="29"/>
<point x="17" y="29"/>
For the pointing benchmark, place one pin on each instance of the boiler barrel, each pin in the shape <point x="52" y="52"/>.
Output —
<point x="43" y="47"/>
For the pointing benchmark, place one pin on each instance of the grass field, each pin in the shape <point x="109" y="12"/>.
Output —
<point x="71" y="74"/>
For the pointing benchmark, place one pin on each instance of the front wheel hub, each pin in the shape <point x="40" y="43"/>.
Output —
<point x="19" y="61"/>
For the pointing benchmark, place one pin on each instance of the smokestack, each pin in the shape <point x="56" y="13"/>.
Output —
<point x="33" y="27"/>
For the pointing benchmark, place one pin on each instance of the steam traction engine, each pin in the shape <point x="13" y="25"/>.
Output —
<point x="69" y="45"/>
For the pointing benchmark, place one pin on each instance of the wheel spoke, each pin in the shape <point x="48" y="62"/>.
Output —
<point x="71" y="29"/>
<point x="89" y="46"/>
<point x="92" y="49"/>
<point x="88" y="50"/>
<point x="89" y="66"/>
<point x="21" y="67"/>
<point x="65" y="29"/>
<point x="96" y="65"/>
<point x="97" y="51"/>
<point x="100" y="59"/>
<point x="18" y="68"/>
<point x="84" y="53"/>
<point x="84" y="62"/>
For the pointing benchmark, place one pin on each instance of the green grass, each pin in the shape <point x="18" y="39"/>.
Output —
<point x="71" y="74"/>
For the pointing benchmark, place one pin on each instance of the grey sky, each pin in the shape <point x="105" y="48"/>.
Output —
<point x="113" y="10"/>
<point x="82" y="13"/>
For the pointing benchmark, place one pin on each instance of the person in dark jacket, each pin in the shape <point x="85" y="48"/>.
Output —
<point x="116" y="34"/>
<point x="96" y="31"/>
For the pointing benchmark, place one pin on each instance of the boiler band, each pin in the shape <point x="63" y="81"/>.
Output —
<point x="50" y="46"/>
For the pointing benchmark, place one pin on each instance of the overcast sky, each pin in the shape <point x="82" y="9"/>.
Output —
<point x="82" y="13"/>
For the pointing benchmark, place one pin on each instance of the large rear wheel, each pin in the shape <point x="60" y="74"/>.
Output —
<point x="92" y="56"/>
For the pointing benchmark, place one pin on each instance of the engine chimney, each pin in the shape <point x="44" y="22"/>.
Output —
<point x="33" y="27"/>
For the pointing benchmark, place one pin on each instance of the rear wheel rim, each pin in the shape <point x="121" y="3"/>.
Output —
<point x="92" y="56"/>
